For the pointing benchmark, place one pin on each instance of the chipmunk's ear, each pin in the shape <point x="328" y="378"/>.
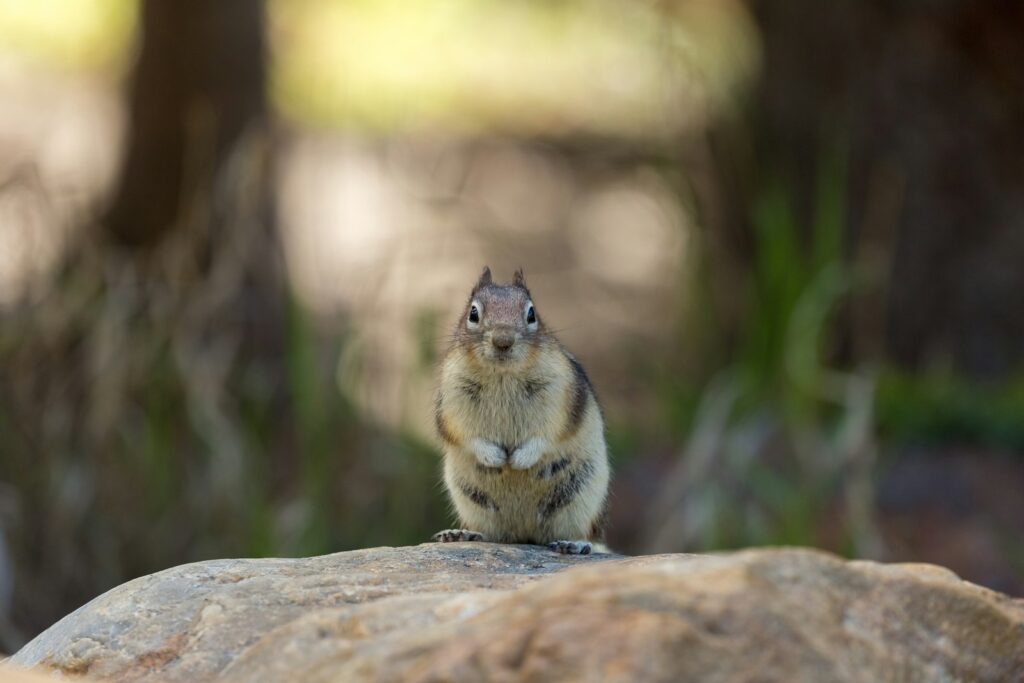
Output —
<point x="485" y="279"/>
<point x="518" y="280"/>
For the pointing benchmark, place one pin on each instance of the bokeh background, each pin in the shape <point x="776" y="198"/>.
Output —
<point x="786" y="239"/>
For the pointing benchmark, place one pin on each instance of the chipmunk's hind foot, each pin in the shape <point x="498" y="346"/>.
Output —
<point x="571" y="547"/>
<point x="456" y="535"/>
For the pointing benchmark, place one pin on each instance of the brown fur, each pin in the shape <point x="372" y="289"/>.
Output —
<point x="525" y="455"/>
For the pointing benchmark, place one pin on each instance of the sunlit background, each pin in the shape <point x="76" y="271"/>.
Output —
<point x="783" y="237"/>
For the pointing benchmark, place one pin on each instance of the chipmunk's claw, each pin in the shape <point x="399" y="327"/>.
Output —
<point x="570" y="547"/>
<point x="456" y="535"/>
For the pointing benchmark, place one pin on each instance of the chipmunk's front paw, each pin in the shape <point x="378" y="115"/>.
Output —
<point x="570" y="547"/>
<point x="456" y="535"/>
<point x="527" y="455"/>
<point x="488" y="454"/>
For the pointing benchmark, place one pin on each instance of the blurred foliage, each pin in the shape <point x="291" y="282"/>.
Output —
<point x="151" y="446"/>
<point x="523" y="67"/>
<point x="72" y="34"/>
<point x="383" y="66"/>
<point x="942" y="407"/>
<point x="779" y="436"/>
<point x="136" y="435"/>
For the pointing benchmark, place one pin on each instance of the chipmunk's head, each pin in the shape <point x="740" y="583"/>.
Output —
<point x="500" y="324"/>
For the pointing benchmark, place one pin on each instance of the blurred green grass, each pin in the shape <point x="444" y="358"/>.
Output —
<point x="940" y="407"/>
<point x="778" y="435"/>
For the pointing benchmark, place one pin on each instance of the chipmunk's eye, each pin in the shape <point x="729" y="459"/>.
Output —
<point x="531" y="316"/>
<point x="474" y="315"/>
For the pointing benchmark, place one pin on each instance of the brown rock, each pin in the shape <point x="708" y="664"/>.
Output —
<point x="13" y="675"/>
<point x="509" y="613"/>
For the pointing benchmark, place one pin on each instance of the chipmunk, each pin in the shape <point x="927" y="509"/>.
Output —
<point x="525" y="459"/>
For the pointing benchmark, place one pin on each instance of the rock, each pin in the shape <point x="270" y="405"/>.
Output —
<point x="11" y="675"/>
<point x="478" y="611"/>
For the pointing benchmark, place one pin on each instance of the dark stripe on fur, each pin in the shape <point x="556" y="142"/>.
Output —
<point x="532" y="387"/>
<point x="442" y="424"/>
<point x="552" y="468"/>
<point x="478" y="497"/>
<point x="580" y="391"/>
<point x="567" y="489"/>
<point x="470" y="388"/>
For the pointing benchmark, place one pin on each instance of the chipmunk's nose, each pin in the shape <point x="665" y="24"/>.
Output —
<point x="503" y="339"/>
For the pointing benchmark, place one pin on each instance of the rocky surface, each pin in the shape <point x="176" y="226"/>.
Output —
<point x="12" y="675"/>
<point x="478" y="611"/>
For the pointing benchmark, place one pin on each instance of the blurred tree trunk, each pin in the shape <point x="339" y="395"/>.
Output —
<point x="164" y="339"/>
<point x="197" y="89"/>
<point x="195" y="184"/>
<point x="926" y="100"/>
